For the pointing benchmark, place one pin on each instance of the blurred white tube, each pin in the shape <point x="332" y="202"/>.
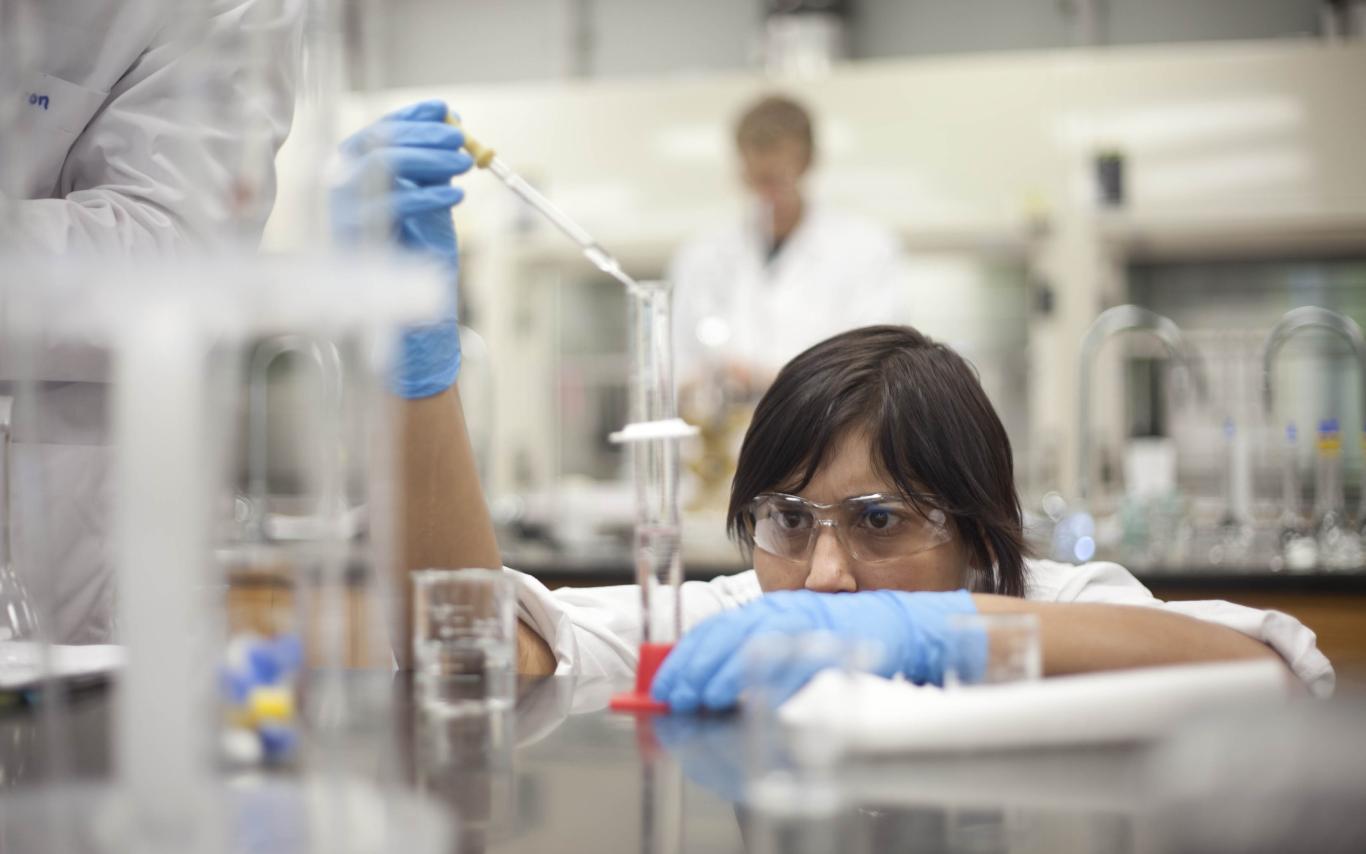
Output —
<point x="162" y="546"/>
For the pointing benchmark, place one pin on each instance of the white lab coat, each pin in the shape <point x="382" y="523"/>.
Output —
<point x="595" y="632"/>
<point x="123" y="102"/>
<point x="834" y="272"/>
<point x="134" y="135"/>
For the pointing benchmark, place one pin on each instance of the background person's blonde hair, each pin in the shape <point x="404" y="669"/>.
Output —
<point x="772" y="119"/>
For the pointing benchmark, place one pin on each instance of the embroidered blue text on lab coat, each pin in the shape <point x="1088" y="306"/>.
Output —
<point x="36" y="100"/>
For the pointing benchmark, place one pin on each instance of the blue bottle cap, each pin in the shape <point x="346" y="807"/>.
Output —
<point x="289" y="652"/>
<point x="1328" y="425"/>
<point x="1290" y="432"/>
<point x="233" y="685"/>
<point x="273" y="660"/>
<point x="277" y="742"/>
<point x="265" y="666"/>
<point x="1228" y="428"/>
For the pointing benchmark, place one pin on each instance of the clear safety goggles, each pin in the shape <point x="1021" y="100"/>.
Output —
<point x="872" y="528"/>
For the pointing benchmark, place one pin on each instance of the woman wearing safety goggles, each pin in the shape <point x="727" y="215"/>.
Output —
<point x="875" y="493"/>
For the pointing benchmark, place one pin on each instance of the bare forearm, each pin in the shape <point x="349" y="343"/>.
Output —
<point x="443" y="519"/>
<point x="534" y="657"/>
<point x="1084" y="638"/>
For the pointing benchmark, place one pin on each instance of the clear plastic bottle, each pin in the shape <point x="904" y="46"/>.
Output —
<point x="1299" y="551"/>
<point x="1339" y="547"/>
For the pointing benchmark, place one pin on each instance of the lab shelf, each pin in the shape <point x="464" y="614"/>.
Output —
<point x="1174" y="235"/>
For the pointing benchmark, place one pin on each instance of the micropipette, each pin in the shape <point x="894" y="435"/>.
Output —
<point x="487" y="158"/>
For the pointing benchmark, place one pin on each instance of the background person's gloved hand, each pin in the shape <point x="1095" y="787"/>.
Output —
<point x="398" y="183"/>
<point x="707" y="667"/>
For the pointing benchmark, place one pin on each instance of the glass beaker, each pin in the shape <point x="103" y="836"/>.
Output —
<point x="465" y="640"/>
<point x="991" y="649"/>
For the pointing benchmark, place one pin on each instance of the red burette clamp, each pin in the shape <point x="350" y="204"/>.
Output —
<point x="639" y="701"/>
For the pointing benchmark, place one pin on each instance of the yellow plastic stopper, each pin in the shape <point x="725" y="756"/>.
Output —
<point x="482" y="154"/>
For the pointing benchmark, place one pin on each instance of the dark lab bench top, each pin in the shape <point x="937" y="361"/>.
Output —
<point x="559" y="774"/>
<point x="1252" y="579"/>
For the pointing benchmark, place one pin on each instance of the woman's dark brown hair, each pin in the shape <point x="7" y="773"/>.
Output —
<point x="932" y="428"/>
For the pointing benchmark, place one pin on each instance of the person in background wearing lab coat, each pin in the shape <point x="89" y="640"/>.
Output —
<point x="142" y="128"/>
<point x="752" y="294"/>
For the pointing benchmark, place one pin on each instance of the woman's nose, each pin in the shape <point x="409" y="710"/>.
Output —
<point x="831" y="569"/>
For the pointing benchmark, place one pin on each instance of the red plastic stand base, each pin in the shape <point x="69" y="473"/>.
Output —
<point x="639" y="701"/>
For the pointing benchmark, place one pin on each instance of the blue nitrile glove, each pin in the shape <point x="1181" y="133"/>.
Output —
<point x="706" y="668"/>
<point x="397" y="181"/>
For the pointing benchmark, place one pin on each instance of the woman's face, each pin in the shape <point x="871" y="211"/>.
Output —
<point x="849" y="471"/>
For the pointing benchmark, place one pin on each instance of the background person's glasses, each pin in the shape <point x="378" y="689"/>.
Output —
<point x="872" y="528"/>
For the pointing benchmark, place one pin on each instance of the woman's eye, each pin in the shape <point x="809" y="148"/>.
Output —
<point x="880" y="519"/>
<point x="791" y="519"/>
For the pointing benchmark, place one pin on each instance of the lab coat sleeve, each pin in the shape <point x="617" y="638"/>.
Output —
<point x="183" y="146"/>
<point x="595" y="631"/>
<point x="1109" y="583"/>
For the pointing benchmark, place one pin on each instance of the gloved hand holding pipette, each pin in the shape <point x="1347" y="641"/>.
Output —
<point x="397" y="183"/>
<point x="706" y="668"/>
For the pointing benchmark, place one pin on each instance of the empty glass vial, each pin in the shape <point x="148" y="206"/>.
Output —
<point x="1298" y="550"/>
<point x="1339" y="546"/>
<point x="1234" y="541"/>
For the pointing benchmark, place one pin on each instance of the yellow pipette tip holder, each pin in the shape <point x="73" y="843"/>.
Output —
<point x="482" y="154"/>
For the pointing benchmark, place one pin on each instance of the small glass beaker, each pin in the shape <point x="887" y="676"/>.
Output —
<point x="991" y="649"/>
<point x="464" y="640"/>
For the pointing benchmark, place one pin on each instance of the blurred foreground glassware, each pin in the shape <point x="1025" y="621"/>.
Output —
<point x="18" y="623"/>
<point x="793" y="801"/>
<point x="992" y="649"/>
<point x="777" y="667"/>
<point x="177" y="331"/>
<point x="464" y="640"/>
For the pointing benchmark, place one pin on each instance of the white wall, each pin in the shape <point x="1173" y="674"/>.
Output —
<point x="438" y="42"/>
